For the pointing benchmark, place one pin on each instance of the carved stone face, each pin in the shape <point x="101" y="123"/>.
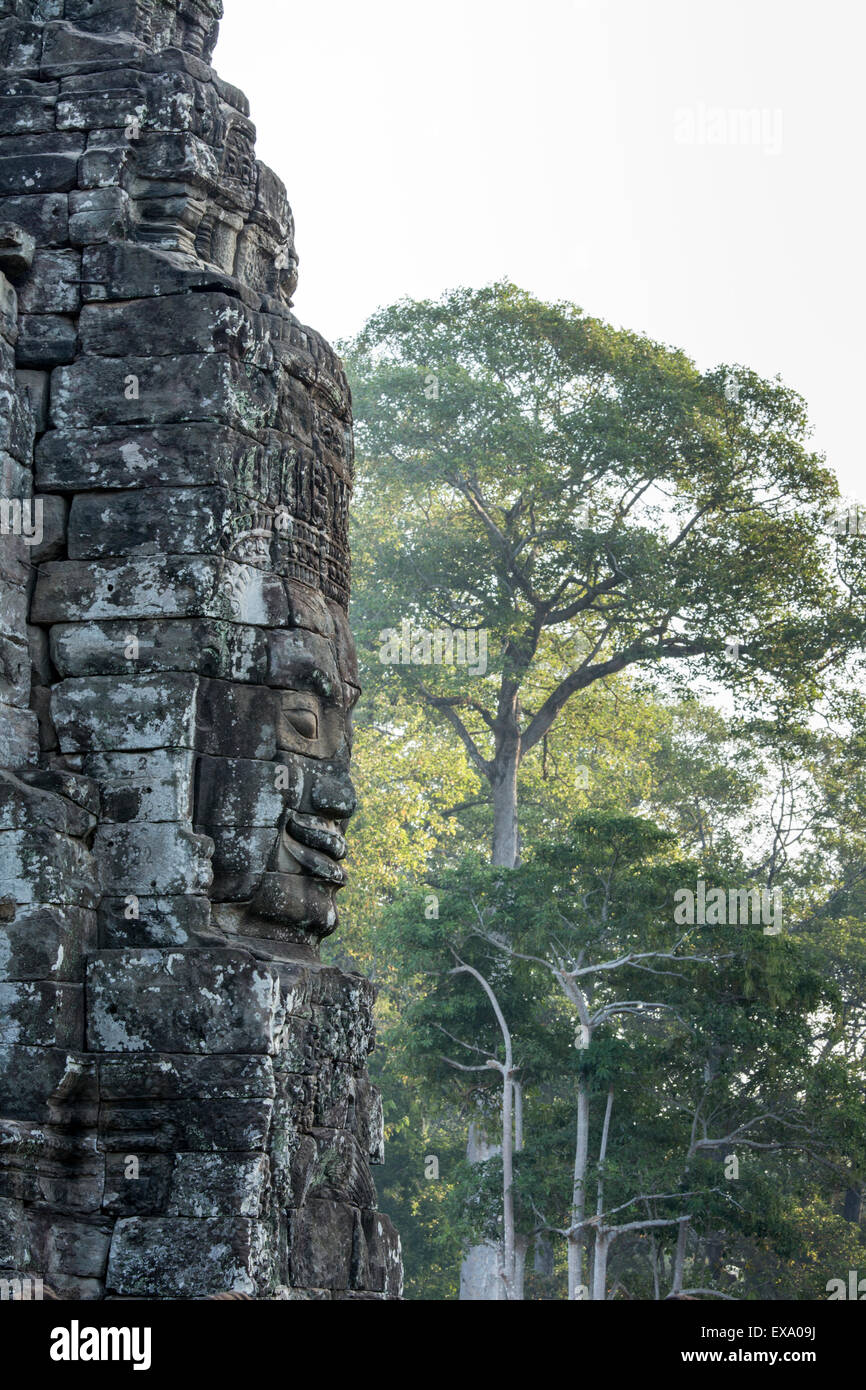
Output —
<point x="274" y="791"/>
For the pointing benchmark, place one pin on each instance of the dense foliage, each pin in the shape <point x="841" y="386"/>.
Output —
<point x="674" y="629"/>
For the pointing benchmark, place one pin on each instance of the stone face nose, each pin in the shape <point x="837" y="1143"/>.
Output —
<point x="333" y="794"/>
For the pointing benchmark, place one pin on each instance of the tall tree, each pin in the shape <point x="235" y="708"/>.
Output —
<point x="574" y="490"/>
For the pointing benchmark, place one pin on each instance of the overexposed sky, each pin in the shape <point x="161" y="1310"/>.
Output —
<point x="692" y="169"/>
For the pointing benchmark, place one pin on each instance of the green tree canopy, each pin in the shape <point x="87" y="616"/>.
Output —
<point x="586" y="496"/>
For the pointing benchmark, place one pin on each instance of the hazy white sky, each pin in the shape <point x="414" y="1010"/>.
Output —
<point x="600" y="151"/>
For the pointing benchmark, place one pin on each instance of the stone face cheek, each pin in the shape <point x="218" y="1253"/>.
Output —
<point x="185" y="1108"/>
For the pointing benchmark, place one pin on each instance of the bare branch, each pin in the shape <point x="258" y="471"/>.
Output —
<point x="446" y="708"/>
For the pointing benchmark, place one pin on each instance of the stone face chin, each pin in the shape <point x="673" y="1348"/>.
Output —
<point x="292" y="908"/>
<point x="179" y="1073"/>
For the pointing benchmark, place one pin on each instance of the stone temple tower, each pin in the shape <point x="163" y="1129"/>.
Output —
<point x="184" y="1102"/>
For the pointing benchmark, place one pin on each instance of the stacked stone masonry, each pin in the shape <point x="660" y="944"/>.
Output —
<point x="184" y="1102"/>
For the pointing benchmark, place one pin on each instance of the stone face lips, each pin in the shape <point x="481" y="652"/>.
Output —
<point x="184" y="1102"/>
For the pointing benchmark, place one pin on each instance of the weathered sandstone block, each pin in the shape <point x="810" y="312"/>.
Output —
<point x="184" y="1102"/>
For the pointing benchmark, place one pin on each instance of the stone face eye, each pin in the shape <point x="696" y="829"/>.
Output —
<point x="304" y="721"/>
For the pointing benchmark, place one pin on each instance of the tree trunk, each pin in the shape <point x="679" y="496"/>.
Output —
<point x="680" y="1260"/>
<point x="484" y="1268"/>
<point x="476" y="1263"/>
<point x="599" y="1266"/>
<point x="602" y="1154"/>
<point x="508" y="1180"/>
<point x="481" y="1274"/>
<point x="578" y="1194"/>
<point x="478" y="1271"/>
<point x="654" y="1265"/>
<point x="505" y="840"/>
<point x="518" y="1117"/>
<point x="521" y="1246"/>
<point x="503" y="784"/>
